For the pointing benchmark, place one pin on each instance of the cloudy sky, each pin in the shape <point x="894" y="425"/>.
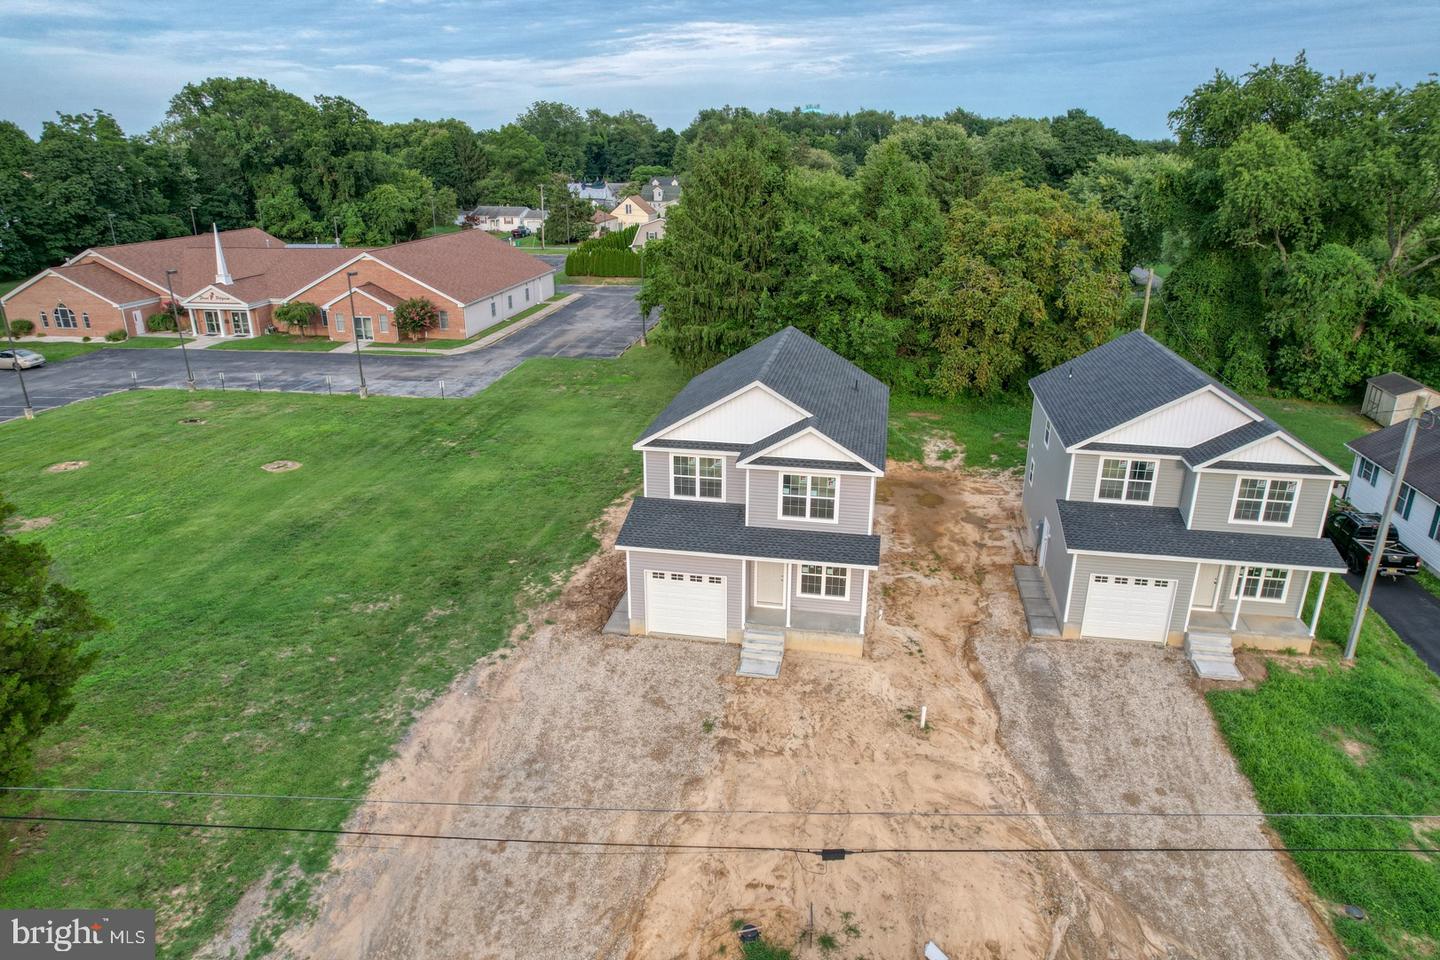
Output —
<point x="485" y="60"/>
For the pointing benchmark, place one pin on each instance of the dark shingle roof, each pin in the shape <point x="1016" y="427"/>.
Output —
<point x="1230" y="440"/>
<point x="848" y="405"/>
<point x="1423" y="471"/>
<point x="1134" y="448"/>
<point x="1395" y="383"/>
<point x="1307" y="469"/>
<point x="1160" y="531"/>
<point x="806" y="463"/>
<point x="698" y="445"/>
<point x="655" y="523"/>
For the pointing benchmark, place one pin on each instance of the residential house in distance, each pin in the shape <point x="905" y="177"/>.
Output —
<point x="633" y="211"/>
<point x="661" y="192"/>
<point x="1417" y="512"/>
<point x="503" y="219"/>
<point x="653" y="230"/>
<point x="1390" y="398"/>
<point x="228" y="285"/>
<point x="600" y="193"/>
<point x="757" y="520"/>
<point x="604" y="223"/>
<point x="1164" y="508"/>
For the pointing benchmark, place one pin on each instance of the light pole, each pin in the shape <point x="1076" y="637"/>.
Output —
<point x="9" y="334"/>
<point x="112" y="228"/>
<point x="542" y="216"/>
<point x="175" y="313"/>
<point x="194" y="227"/>
<point x="350" y="290"/>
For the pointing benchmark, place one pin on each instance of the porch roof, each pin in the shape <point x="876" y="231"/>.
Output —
<point x="1161" y="532"/>
<point x="688" y="526"/>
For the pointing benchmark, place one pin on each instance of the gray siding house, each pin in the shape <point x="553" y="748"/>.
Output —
<point x="1417" y="511"/>
<point x="756" y="524"/>
<point x="1162" y="506"/>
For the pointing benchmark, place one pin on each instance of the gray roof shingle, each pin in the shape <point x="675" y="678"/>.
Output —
<point x="848" y="405"/>
<point x="1306" y="469"/>
<point x="656" y="523"/>
<point x="1423" y="471"/>
<point x="1230" y="440"/>
<point x="1161" y="531"/>
<point x="1395" y="383"/>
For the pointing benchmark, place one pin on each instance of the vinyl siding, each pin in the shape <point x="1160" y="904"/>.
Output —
<point x="1169" y="478"/>
<point x="1087" y="565"/>
<point x="642" y="561"/>
<point x="1289" y="607"/>
<point x="852" y="504"/>
<point x="1215" y="496"/>
<point x="848" y="607"/>
<point x="1038" y="501"/>
<point x="1187" y="491"/>
<point x="657" y="476"/>
<point x="1414" y="532"/>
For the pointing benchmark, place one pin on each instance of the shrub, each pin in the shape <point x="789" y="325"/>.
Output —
<point x="85" y="339"/>
<point x="163" y="322"/>
<point x="297" y="315"/>
<point x="415" y="316"/>
<point x="115" y="336"/>
<point x="22" y="328"/>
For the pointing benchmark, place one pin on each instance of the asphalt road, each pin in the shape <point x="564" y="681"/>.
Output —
<point x="1411" y="610"/>
<point x="604" y="322"/>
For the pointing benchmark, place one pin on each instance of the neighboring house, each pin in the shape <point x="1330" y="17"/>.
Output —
<point x="504" y="219"/>
<point x="633" y="211"/>
<point x="604" y="223"/>
<point x="599" y="192"/>
<point x="1390" y="398"/>
<point x="228" y="285"/>
<point x="1417" y="513"/>
<point x="661" y="192"/>
<point x="1163" y="507"/>
<point x="757" y="519"/>
<point x="653" y="230"/>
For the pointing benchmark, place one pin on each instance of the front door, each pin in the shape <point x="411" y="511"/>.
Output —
<point x="1207" y="586"/>
<point x="769" y="584"/>
<point x="240" y="323"/>
<point x="139" y="319"/>
<point x="363" y="329"/>
<point x="212" y="323"/>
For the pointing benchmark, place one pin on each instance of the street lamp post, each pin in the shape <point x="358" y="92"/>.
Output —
<point x="112" y="227"/>
<point x="175" y="313"/>
<point x="350" y="290"/>
<point x="10" y="335"/>
<point x="194" y="227"/>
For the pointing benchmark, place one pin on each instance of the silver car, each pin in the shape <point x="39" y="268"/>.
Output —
<point x="20" y="359"/>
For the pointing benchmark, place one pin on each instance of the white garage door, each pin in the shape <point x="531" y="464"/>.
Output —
<point x="1128" y="608"/>
<point x="690" y="604"/>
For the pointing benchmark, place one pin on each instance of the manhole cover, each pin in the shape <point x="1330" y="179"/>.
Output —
<point x="280" y="466"/>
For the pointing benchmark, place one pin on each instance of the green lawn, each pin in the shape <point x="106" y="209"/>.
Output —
<point x="274" y="633"/>
<point x="7" y="285"/>
<point x="61" y="350"/>
<point x="1289" y="736"/>
<point x="992" y="432"/>
<point x="278" y="341"/>
<point x="1326" y="427"/>
<point x="435" y="344"/>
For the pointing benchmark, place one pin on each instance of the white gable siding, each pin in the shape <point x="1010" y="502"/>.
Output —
<point x="1414" y="532"/>
<point x="749" y="416"/>
<point x="1271" y="450"/>
<point x="810" y="447"/>
<point x="1191" y="421"/>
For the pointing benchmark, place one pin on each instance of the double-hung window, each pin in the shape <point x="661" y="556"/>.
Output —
<point x="1435" y="524"/>
<point x="1132" y="481"/>
<point x="1261" y="583"/>
<point x="818" y="581"/>
<point x="1405" y="501"/>
<point x="1368" y="471"/>
<point x="807" y="496"/>
<point x="1047" y="434"/>
<point x="699" y="477"/>
<point x="1258" y="500"/>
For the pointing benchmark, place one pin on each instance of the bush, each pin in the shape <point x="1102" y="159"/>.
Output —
<point x="115" y="336"/>
<point x="415" y="316"/>
<point x="297" y="315"/>
<point x="163" y="322"/>
<point x="22" y="328"/>
<point x="84" y="339"/>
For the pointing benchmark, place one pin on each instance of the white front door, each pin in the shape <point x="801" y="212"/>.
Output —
<point x="1128" y="608"/>
<point x="1207" y="586"/>
<point x="139" y="319"/>
<point x="690" y="604"/>
<point x="769" y="584"/>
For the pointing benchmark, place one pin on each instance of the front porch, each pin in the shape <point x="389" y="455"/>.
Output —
<point x="805" y="621"/>
<point x="1255" y="630"/>
<point x="1248" y="619"/>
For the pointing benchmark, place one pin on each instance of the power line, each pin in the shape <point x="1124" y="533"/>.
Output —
<point x="733" y="811"/>
<point x="827" y="853"/>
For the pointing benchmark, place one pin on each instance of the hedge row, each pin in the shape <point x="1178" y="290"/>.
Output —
<point x="603" y="263"/>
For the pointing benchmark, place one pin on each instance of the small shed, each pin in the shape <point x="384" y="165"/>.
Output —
<point x="1390" y="397"/>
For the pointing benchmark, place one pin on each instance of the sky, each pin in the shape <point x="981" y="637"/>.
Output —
<point x="485" y="61"/>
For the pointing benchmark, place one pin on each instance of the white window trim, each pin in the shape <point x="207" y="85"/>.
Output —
<point x="1047" y="433"/>
<point x="822" y="595"/>
<point x="1262" y="522"/>
<point x="670" y="480"/>
<point x="1154" y="481"/>
<point x="780" y="498"/>
<point x="1374" y="477"/>
<point x="1030" y="473"/>
<point x="1240" y="577"/>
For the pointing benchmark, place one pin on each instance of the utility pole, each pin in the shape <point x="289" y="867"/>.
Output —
<point x="10" y="335"/>
<point x="644" y="316"/>
<point x="194" y="227"/>
<point x="112" y="228"/>
<point x="175" y="312"/>
<point x="1149" y="283"/>
<point x="1383" y="531"/>
<point x="350" y="287"/>
<point x="542" y="216"/>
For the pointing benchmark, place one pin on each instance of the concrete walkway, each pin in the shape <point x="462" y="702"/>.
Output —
<point x="480" y="344"/>
<point x="1039" y="616"/>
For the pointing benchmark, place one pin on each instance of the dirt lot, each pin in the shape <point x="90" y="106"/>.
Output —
<point x="573" y="718"/>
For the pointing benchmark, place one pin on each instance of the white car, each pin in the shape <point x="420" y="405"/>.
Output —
<point x="20" y="359"/>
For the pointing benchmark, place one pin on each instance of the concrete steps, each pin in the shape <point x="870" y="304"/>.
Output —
<point x="1211" y="655"/>
<point x="761" y="652"/>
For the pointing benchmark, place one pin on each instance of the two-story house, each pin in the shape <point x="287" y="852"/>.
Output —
<point x="1163" y="507"/>
<point x="757" y="519"/>
<point x="1416" y="519"/>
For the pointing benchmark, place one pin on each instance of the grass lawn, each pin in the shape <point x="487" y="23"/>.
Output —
<point x="443" y="228"/>
<point x="1289" y="736"/>
<point x="992" y="432"/>
<point x="434" y="344"/>
<point x="62" y="350"/>
<point x="1428" y="580"/>
<point x="1326" y="427"/>
<point x="278" y="341"/>
<point x="7" y="285"/>
<point x="274" y="633"/>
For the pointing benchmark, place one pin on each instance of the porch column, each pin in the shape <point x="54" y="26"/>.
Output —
<point x="1238" y="585"/>
<point x="788" y="567"/>
<point x="1319" y="602"/>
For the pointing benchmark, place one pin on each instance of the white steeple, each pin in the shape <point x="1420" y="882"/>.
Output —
<point x="222" y="272"/>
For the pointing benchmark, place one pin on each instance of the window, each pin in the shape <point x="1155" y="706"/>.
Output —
<point x="44" y="320"/>
<point x="701" y="477"/>
<point x="807" y="497"/>
<point x="1030" y="473"/>
<point x="240" y="323"/>
<point x="85" y="320"/>
<point x="1258" y="500"/>
<point x="818" y="581"/>
<point x="1405" y="501"/>
<point x="627" y="208"/>
<point x="1128" y="480"/>
<point x="1368" y="471"/>
<point x="509" y="301"/>
<point x="527" y="294"/>
<point x="384" y="323"/>
<point x="1435" y="524"/>
<point x="324" y="317"/>
<point x="64" y="317"/>
<point x="339" y="323"/>
<point x="1047" y="434"/>
<point x="1261" y="583"/>
<point x="444" y="320"/>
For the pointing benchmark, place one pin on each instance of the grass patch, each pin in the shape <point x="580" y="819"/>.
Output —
<point x="277" y="638"/>
<point x="1286" y="736"/>
<point x="1429" y="581"/>
<point x="61" y="350"/>
<point x="443" y="229"/>
<point x="1325" y="427"/>
<point x="7" y="285"/>
<point x="993" y="432"/>
<point x="434" y="344"/>
<point x="149" y="342"/>
<point x="279" y="341"/>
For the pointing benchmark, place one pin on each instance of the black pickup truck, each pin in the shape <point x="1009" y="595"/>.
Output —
<point x="1354" y="535"/>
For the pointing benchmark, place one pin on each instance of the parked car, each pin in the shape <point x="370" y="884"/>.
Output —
<point x="1353" y="532"/>
<point x="520" y="232"/>
<point x="20" y="359"/>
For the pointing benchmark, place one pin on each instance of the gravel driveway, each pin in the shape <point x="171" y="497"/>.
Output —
<point x="1117" y="726"/>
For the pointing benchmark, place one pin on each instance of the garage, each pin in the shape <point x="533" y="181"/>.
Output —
<point x="690" y="604"/>
<point x="1128" y="608"/>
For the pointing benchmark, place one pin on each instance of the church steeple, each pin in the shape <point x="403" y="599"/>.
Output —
<point x="222" y="272"/>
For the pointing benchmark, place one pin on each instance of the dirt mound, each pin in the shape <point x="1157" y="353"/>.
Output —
<point x="67" y="465"/>
<point x="27" y="524"/>
<point x="280" y="466"/>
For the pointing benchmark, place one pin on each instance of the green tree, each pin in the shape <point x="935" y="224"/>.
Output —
<point x="561" y="131"/>
<point x="904" y="222"/>
<point x="416" y="316"/>
<point x="952" y="162"/>
<point x="43" y="625"/>
<point x="297" y="315"/>
<point x="1143" y="192"/>
<point x="567" y="216"/>
<point x="1026" y="147"/>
